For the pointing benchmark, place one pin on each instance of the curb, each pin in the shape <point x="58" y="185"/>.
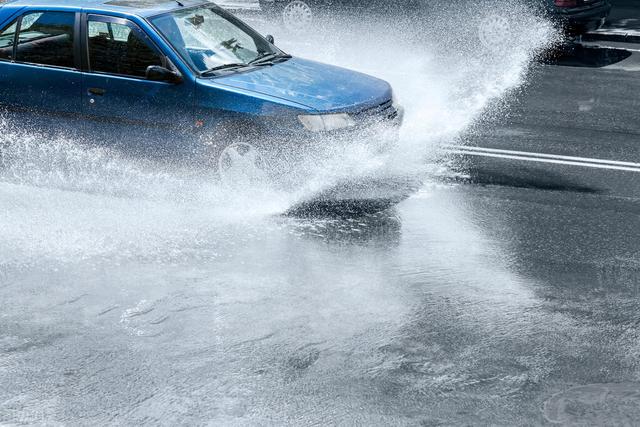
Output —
<point x="612" y="37"/>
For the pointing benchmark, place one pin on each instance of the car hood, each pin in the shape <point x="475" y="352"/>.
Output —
<point x="322" y="87"/>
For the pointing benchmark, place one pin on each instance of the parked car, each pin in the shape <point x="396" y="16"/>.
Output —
<point x="579" y="16"/>
<point x="575" y="16"/>
<point x="175" y="78"/>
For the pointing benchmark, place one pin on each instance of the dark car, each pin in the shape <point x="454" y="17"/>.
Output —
<point x="579" y="16"/>
<point x="574" y="16"/>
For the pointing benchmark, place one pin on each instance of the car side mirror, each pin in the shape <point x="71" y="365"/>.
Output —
<point x="157" y="73"/>
<point x="270" y="39"/>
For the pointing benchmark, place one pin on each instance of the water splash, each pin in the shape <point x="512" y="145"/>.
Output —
<point x="448" y="71"/>
<point x="63" y="199"/>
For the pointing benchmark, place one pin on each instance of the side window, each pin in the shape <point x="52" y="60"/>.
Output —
<point x="7" y="38"/>
<point x="119" y="48"/>
<point x="47" y="38"/>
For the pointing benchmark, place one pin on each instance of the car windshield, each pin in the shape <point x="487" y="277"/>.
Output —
<point x="209" y="38"/>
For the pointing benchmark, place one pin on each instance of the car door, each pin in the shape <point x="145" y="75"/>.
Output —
<point x="123" y="107"/>
<point x="40" y="74"/>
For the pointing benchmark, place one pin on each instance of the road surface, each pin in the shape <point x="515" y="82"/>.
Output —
<point x="506" y="296"/>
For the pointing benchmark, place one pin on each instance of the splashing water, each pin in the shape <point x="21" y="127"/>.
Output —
<point x="61" y="199"/>
<point x="447" y="71"/>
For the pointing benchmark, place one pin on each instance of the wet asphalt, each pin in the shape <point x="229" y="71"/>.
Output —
<point x="466" y="305"/>
<point x="506" y="297"/>
<point x="574" y="112"/>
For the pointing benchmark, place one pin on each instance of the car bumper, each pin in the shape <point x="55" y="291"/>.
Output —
<point x="292" y="148"/>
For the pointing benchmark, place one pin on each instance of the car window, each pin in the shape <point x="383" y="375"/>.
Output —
<point x="7" y="38"/>
<point x="207" y="37"/>
<point x="233" y="44"/>
<point x="47" y="38"/>
<point x="120" y="48"/>
<point x="114" y="31"/>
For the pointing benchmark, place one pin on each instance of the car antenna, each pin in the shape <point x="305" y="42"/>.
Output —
<point x="179" y="3"/>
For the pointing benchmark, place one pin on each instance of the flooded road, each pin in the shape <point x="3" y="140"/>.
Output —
<point x="135" y="294"/>
<point x="463" y="302"/>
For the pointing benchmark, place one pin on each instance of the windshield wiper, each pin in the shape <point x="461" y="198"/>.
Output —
<point x="268" y="58"/>
<point x="225" y="67"/>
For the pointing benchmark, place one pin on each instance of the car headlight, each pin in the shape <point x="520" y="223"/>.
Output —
<point x="326" y="122"/>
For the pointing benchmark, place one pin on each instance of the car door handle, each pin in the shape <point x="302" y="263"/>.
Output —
<point x="97" y="91"/>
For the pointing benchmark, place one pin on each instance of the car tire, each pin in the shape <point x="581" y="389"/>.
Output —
<point x="297" y="15"/>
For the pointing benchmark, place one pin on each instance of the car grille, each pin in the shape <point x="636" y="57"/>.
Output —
<point x="381" y="112"/>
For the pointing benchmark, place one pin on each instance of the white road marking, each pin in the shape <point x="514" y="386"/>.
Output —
<point x="546" y="158"/>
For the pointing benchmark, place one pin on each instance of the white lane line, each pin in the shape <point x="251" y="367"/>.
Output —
<point x="543" y="155"/>
<point x="548" y="160"/>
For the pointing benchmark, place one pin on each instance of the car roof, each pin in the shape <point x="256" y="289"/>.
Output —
<point x="134" y="7"/>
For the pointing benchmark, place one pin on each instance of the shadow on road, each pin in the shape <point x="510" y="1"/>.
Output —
<point x="577" y="55"/>
<point x="487" y="172"/>
<point x="383" y="229"/>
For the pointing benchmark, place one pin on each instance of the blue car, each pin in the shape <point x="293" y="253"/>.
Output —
<point x="176" y="79"/>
